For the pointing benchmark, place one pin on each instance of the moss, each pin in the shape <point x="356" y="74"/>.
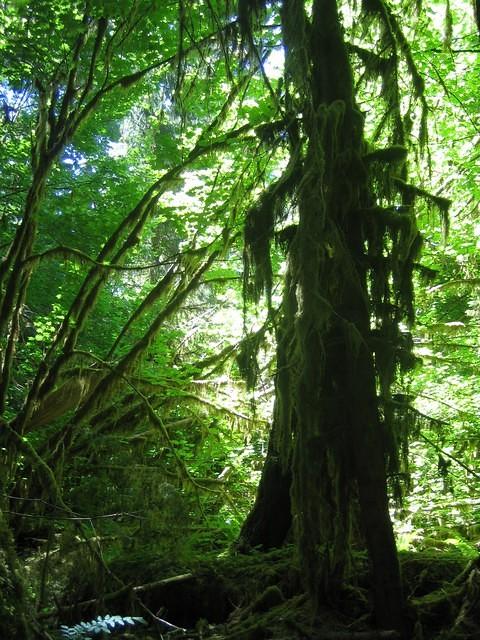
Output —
<point x="391" y="155"/>
<point x="249" y="12"/>
<point x="426" y="571"/>
<point x="293" y="615"/>
<point x="271" y="597"/>
<point x="259" y="232"/>
<point x="15" y="607"/>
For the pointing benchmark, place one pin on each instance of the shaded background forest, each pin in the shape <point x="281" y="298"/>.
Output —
<point x="138" y="356"/>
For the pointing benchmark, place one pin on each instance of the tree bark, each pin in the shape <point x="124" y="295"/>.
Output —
<point x="269" y="522"/>
<point x="337" y="441"/>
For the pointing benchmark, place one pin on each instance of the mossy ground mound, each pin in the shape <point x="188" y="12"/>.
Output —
<point x="260" y="595"/>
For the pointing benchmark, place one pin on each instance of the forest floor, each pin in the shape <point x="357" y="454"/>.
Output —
<point x="259" y="596"/>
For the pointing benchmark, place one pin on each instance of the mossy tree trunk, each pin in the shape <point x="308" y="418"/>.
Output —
<point x="270" y="521"/>
<point x="348" y="291"/>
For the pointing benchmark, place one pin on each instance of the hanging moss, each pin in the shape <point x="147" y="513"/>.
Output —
<point x="259" y="231"/>
<point x="391" y="155"/>
<point x="440" y="204"/>
<point x="247" y="357"/>
<point x="249" y="14"/>
<point x="295" y="38"/>
<point x="249" y="11"/>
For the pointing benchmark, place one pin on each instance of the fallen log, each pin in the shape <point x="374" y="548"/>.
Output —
<point x="184" y="577"/>
<point x="387" y="634"/>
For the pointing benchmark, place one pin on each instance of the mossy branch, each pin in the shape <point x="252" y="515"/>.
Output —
<point x="79" y="257"/>
<point x="469" y="282"/>
<point x="439" y="202"/>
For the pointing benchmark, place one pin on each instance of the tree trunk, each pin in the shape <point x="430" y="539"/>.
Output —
<point x="269" y="522"/>
<point x="369" y="459"/>
<point x="328" y="369"/>
<point x="382" y="552"/>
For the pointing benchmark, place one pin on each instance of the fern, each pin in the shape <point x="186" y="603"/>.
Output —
<point x="99" y="627"/>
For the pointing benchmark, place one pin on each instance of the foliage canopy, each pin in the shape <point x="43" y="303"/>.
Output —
<point x="196" y="193"/>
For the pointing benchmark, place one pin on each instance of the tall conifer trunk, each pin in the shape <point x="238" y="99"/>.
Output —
<point x="330" y="429"/>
